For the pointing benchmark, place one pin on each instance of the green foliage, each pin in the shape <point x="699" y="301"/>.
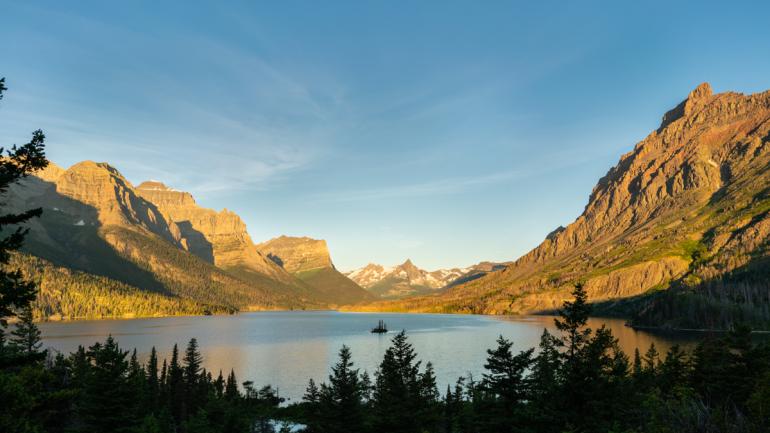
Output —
<point x="403" y="396"/>
<point x="16" y="163"/>
<point x="68" y="294"/>
<point x="25" y="338"/>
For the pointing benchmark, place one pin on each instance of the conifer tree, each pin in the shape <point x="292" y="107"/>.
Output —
<point x="312" y="393"/>
<point x="153" y="381"/>
<point x="397" y="397"/>
<point x="25" y="338"/>
<point x="341" y="403"/>
<point x="505" y="386"/>
<point x="231" y="387"/>
<point x="651" y="359"/>
<point x="544" y="383"/>
<point x="572" y="321"/>
<point x="108" y="402"/>
<point x="192" y="362"/>
<point x="175" y="386"/>
<point x="16" y="163"/>
<point x="219" y="385"/>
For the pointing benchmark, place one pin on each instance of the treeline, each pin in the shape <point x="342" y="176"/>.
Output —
<point x="104" y="389"/>
<point x="742" y="296"/>
<point x="578" y="380"/>
<point x="68" y="294"/>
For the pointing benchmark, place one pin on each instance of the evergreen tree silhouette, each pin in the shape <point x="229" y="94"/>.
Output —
<point x="16" y="163"/>
<point x="341" y="400"/>
<point x="25" y="337"/>
<point x="504" y="387"/>
<point x="108" y="402"/>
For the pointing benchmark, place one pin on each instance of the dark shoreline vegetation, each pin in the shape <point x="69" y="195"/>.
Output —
<point x="576" y="380"/>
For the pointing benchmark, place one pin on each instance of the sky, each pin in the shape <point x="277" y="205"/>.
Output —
<point x="445" y="132"/>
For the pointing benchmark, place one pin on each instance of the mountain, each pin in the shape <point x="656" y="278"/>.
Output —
<point x="407" y="279"/>
<point x="219" y="238"/>
<point x="309" y="260"/>
<point x="104" y="248"/>
<point x="676" y="234"/>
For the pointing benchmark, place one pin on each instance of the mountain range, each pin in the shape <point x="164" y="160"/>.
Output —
<point x="104" y="248"/>
<point x="407" y="279"/>
<point x="674" y="235"/>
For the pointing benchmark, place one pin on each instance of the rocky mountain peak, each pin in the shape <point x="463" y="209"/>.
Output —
<point x="699" y="96"/>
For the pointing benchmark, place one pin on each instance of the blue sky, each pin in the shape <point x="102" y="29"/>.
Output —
<point x="445" y="132"/>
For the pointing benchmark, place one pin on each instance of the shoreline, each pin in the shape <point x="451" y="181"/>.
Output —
<point x="652" y="329"/>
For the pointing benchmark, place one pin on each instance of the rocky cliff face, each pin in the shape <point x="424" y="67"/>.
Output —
<point x="688" y="206"/>
<point x="219" y="238"/>
<point x="309" y="260"/>
<point x="104" y="197"/>
<point x="407" y="279"/>
<point x="297" y="254"/>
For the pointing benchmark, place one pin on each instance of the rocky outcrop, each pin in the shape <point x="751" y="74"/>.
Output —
<point x="220" y="238"/>
<point x="309" y="260"/>
<point x="688" y="204"/>
<point x="297" y="254"/>
<point x="103" y="197"/>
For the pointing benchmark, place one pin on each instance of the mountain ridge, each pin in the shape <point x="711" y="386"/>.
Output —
<point x="662" y="232"/>
<point x="407" y="279"/>
<point x="145" y="239"/>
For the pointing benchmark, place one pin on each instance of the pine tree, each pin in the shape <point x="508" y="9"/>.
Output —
<point x="153" y="381"/>
<point x="651" y="360"/>
<point x="193" y="397"/>
<point x="637" y="365"/>
<point x="108" y="401"/>
<point x="175" y="386"/>
<point x="16" y="163"/>
<point x="231" y="387"/>
<point x="25" y="338"/>
<point x="219" y="385"/>
<point x="312" y="393"/>
<point x="674" y="370"/>
<point x="340" y="401"/>
<point x="192" y="362"/>
<point x="397" y="389"/>
<point x="505" y="387"/>
<point x="572" y="321"/>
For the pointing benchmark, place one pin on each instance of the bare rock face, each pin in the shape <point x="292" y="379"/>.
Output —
<point x="220" y="238"/>
<point x="297" y="254"/>
<point x="309" y="260"/>
<point x="109" y="198"/>
<point x="686" y="205"/>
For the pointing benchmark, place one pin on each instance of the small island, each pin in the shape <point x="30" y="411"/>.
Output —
<point x="380" y="329"/>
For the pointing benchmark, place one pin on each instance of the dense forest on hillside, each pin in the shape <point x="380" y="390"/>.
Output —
<point x="67" y="294"/>
<point x="576" y="381"/>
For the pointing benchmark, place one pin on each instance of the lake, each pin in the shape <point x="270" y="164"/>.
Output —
<point x="286" y="349"/>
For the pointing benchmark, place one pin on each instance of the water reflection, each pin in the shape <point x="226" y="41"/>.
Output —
<point x="286" y="349"/>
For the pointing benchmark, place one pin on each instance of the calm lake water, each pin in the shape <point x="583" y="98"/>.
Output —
<point x="286" y="349"/>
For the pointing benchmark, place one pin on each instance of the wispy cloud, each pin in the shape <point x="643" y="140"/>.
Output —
<point x="435" y="187"/>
